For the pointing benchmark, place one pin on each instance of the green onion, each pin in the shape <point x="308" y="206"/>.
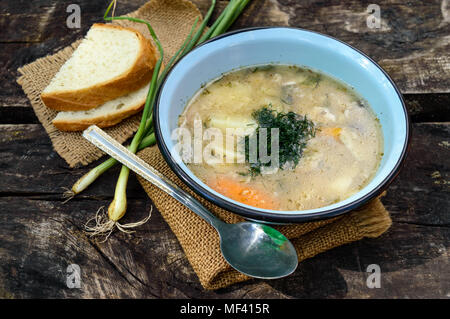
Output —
<point x="144" y="136"/>
<point x="201" y="29"/>
<point x="208" y="34"/>
<point x="229" y="14"/>
<point x="88" y="178"/>
<point x="118" y="206"/>
<point x="149" y="139"/>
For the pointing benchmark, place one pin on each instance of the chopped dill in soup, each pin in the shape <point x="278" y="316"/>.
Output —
<point x="281" y="137"/>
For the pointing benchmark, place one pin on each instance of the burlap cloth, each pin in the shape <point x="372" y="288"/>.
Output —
<point x="172" y="21"/>
<point x="200" y="241"/>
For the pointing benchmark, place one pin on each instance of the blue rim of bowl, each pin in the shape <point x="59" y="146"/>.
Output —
<point x="254" y="213"/>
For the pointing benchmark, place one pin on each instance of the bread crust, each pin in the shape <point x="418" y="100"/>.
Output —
<point x="103" y="121"/>
<point x="136" y="77"/>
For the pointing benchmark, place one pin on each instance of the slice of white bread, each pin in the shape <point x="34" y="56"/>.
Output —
<point x="108" y="114"/>
<point x="110" y="62"/>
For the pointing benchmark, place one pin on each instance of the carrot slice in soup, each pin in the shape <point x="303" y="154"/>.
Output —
<point x="243" y="193"/>
<point x="331" y="131"/>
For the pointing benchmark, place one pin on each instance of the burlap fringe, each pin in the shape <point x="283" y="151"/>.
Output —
<point x="374" y="221"/>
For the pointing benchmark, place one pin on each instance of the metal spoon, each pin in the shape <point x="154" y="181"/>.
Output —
<point x="254" y="249"/>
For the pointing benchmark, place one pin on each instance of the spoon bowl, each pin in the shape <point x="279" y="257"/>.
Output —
<point x="257" y="250"/>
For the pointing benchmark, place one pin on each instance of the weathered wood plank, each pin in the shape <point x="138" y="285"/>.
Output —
<point x="29" y="166"/>
<point x="420" y="194"/>
<point x="414" y="263"/>
<point x="42" y="20"/>
<point x="412" y="44"/>
<point x="41" y="238"/>
<point x="50" y="238"/>
<point x="13" y="56"/>
<point x="15" y="107"/>
<point x="17" y="115"/>
<point x="421" y="107"/>
<point x="428" y="107"/>
<point x="44" y="32"/>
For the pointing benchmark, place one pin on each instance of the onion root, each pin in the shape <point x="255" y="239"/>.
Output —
<point x="103" y="226"/>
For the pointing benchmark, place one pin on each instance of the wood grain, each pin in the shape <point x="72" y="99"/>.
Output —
<point x="40" y="236"/>
<point x="412" y="44"/>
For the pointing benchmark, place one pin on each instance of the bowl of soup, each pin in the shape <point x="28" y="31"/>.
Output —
<point x="281" y="124"/>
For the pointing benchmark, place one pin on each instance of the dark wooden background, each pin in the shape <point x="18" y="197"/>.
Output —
<point x="40" y="236"/>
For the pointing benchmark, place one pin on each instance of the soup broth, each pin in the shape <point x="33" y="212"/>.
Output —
<point x="335" y="161"/>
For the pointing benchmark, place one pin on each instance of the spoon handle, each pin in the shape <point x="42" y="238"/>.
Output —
<point x="110" y="146"/>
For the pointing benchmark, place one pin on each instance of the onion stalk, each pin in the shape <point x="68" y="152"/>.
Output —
<point x="88" y="178"/>
<point x="118" y="206"/>
<point x="149" y="139"/>
<point x="144" y="136"/>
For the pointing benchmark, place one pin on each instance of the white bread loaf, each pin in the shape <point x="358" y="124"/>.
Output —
<point x="111" y="61"/>
<point x="108" y="114"/>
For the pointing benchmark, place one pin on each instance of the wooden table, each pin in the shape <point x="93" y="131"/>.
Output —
<point x="40" y="235"/>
